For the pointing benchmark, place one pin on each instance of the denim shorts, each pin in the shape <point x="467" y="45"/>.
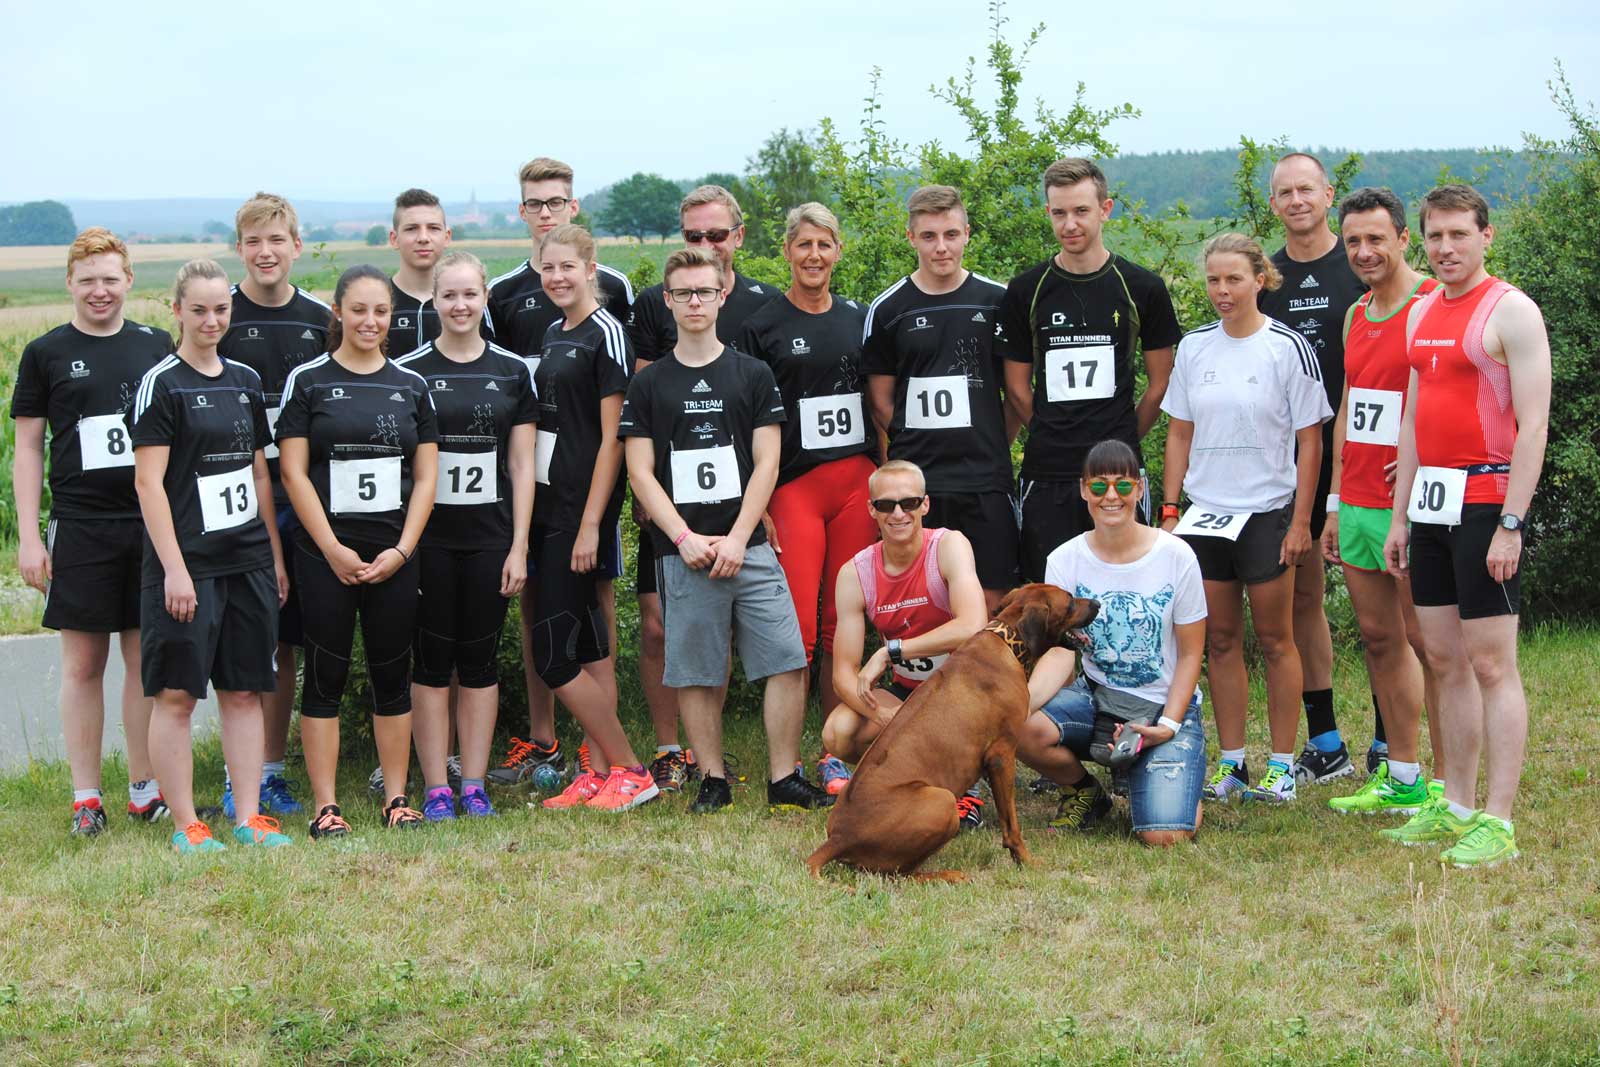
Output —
<point x="1164" y="783"/>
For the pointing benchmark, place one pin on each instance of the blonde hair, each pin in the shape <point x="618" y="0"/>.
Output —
<point x="934" y="200"/>
<point x="459" y="259"/>
<point x="545" y="169"/>
<point x="684" y="258"/>
<point x="1250" y="249"/>
<point x="713" y="194"/>
<point x="195" y="268"/>
<point x="97" y="241"/>
<point x="898" y="466"/>
<point x="575" y="237"/>
<point x="810" y="213"/>
<point x="264" y="209"/>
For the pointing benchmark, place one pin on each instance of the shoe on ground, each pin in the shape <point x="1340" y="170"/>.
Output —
<point x="1277" y="786"/>
<point x="578" y="792"/>
<point x="715" y="795"/>
<point x="834" y="774"/>
<point x="1433" y="824"/>
<point x="196" y="837"/>
<point x="1487" y="842"/>
<point x="375" y="781"/>
<point x="398" y="814"/>
<point x="624" y="789"/>
<point x="452" y="772"/>
<point x="1228" y="782"/>
<point x="277" y="796"/>
<point x="1375" y="756"/>
<point x="670" y="771"/>
<point x="329" y="823"/>
<point x="1383" y="795"/>
<point x="1043" y="786"/>
<point x="229" y="812"/>
<point x="88" y="818"/>
<point x="1082" y="805"/>
<point x="524" y="759"/>
<point x="1316" y="766"/>
<point x="970" y="807"/>
<point x="475" y="804"/>
<point x="795" y="793"/>
<point x="154" y="811"/>
<point x="261" y="831"/>
<point x="439" y="805"/>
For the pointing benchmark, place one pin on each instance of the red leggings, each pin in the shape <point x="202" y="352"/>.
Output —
<point x="822" y="520"/>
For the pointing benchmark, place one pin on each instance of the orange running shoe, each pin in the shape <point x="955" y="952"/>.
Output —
<point x="624" y="789"/>
<point x="196" y="837"/>
<point x="584" y="766"/>
<point x="581" y="790"/>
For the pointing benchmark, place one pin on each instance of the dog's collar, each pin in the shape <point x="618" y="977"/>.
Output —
<point x="1013" y="642"/>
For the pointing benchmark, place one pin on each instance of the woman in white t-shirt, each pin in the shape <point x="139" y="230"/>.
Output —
<point x="1246" y="393"/>
<point x="1144" y="652"/>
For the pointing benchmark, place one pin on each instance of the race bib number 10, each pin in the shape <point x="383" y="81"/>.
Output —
<point x="1087" y="373"/>
<point x="938" y="403"/>
<point x="103" y="442"/>
<point x="1437" y="495"/>
<point x="360" y="486"/>
<point x="1374" y="417"/>
<point x="1204" y="522"/>
<point x="705" y="475"/>
<point x="831" y="421"/>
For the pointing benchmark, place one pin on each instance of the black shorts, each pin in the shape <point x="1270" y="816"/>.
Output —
<point x="989" y="521"/>
<point x="459" y="615"/>
<point x="1449" y="566"/>
<point x="608" y="565"/>
<point x="1053" y="513"/>
<point x="388" y="618"/>
<point x="232" y="641"/>
<point x="290" y="630"/>
<point x="568" y="629"/>
<point x="94" y="574"/>
<point x="644" y="559"/>
<point x="1253" y="557"/>
<point x="1319" y="502"/>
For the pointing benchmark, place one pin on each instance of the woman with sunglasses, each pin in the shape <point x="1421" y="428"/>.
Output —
<point x="1143" y="661"/>
<point x="1245" y="443"/>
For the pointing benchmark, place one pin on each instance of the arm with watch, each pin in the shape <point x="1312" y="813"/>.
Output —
<point x="1180" y="434"/>
<point x="1517" y="330"/>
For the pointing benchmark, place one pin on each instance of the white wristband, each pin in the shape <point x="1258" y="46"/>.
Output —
<point x="1169" y="724"/>
<point x="1333" y="503"/>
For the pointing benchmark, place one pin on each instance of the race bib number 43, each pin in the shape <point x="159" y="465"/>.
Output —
<point x="1437" y="495"/>
<point x="831" y="421"/>
<point x="227" y="500"/>
<point x="103" y="442"/>
<point x="1087" y="373"/>
<point x="466" y="478"/>
<point x="1203" y="522"/>
<point x="359" y="486"/>
<point x="705" y="475"/>
<point x="938" y="403"/>
<point x="1374" y="417"/>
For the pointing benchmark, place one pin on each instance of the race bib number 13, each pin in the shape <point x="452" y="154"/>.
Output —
<point x="227" y="500"/>
<point x="103" y="442"/>
<point x="1437" y="495"/>
<point x="705" y="475"/>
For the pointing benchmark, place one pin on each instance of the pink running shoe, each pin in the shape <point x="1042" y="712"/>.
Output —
<point x="581" y="790"/>
<point x="625" y="789"/>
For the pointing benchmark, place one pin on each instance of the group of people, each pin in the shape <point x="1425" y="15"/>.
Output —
<point x="804" y="467"/>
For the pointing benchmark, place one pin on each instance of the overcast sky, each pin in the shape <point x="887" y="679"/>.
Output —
<point x="354" y="99"/>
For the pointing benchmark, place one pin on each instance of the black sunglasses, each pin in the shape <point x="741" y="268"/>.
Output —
<point x="716" y="237"/>
<point x="907" y="504"/>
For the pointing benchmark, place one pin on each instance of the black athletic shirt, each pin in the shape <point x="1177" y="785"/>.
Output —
<point x="1312" y="301"/>
<point x="578" y="369"/>
<point x="654" y="331"/>
<point x="475" y="406"/>
<point x="1080" y="332"/>
<point x="272" y="341"/>
<point x="82" y="385"/>
<point x="817" y="362"/>
<point x="362" y="430"/>
<point x="521" y="310"/>
<point x="703" y="422"/>
<point x="952" y="423"/>
<point x="413" y="323"/>
<point x="212" y="427"/>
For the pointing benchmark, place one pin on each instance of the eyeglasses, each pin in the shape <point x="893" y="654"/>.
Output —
<point x="555" y="204"/>
<point x="681" y="296"/>
<point x="715" y="237"/>
<point x="1123" y="486"/>
<point x="907" y="504"/>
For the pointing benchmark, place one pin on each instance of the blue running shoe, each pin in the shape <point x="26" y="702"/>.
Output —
<point x="227" y="800"/>
<point x="833" y="772"/>
<point x="277" y="796"/>
<point x="440" y="804"/>
<point x="475" y="803"/>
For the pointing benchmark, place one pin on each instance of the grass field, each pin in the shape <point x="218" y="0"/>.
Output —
<point x="1282" y="937"/>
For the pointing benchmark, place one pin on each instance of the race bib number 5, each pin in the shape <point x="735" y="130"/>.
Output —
<point x="1204" y="522"/>
<point x="1087" y="373"/>
<point x="1374" y="417"/>
<point x="831" y="421"/>
<point x="103" y="442"/>
<point x="227" y="500"/>
<point x="1437" y="495"/>
<point x="705" y="475"/>
<point x="938" y="403"/>
<point x="466" y="478"/>
<point x="359" y="486"/>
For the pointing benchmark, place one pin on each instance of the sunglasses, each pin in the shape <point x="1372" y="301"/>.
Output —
<point x="907" y="504"/>
<point x="1123" y="486"/>
<point x="716" y="237"/>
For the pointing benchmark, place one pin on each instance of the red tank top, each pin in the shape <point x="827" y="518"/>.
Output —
<point x="907" y="604"/>
<point x="1464" y="417"/>
<point x="1375" y="371"/>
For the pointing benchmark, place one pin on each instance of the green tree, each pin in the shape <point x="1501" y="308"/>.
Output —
<point x="38" y="222"/>
<point x="642" y="204"/>
<point x="377" y="234"/>
<point x="781" y="175"/>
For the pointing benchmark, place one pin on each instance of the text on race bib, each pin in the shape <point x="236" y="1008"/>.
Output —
<point x="831" y="421"/>
<point x="544" y="449"/>
<point x="920" y="668"/>
<point x="466" y="478"/>
<point x="360" y="486"/>
<point x="1205" y="522"/>
<point x="1374" y="417"/>
<point x="938" y="403"/>
<point x="103" y="441"/>
<point x="227" y="500"/>
<point x="270" y="449"/>
<point x="1437" y="495"/>
<point x="705" y="475"/>
<point x="1086" y="373"/>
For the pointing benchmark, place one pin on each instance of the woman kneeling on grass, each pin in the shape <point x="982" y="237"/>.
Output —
<point x="213" y="569"/>
<point x="1143" y="661"/>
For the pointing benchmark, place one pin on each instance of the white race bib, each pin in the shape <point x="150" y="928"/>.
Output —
<point x="831" y="421"/>
<point x="1204" y="522"/>
<point x="103" y="442"/>
<point x="228" y="499"/>
<point x="357" y="486"/>
<point x="705" y="475"/>
<point x="921" y="668"/>
<point x="1086" y="373"/>
<point x="271" y="448"/>
<point x="938" y="403"/>
<point x="466" y="478"/>
<point x="544" y="448"/>
<point x="1437" y="495"/>
<point x="1374" y="417"/>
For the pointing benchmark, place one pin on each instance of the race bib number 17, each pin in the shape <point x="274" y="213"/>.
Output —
<point x="1087" y="373"/>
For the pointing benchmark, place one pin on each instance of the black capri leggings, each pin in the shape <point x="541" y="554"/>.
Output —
<point x="459" y="616"/>
<point x="568" y="626"/>
<point x="328" y="610"/>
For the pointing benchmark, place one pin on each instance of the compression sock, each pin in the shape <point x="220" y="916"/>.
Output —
<point x="1404" y="773"/>
<point x="1320" y="727"/>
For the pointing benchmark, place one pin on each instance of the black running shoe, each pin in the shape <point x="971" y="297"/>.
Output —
<point x="1082" y="805"/>
<point x="88" y="819"/>
<point x="1316" y="766"/>
<point x="715" y="794"/>
<point x="795" y="793"/>
<point x="1042" y="786"/>
<point x="1375" y="756"/>
<point x="154" y="811"/>
<point x="970" y="808"/>
<point x="329" y="823"/>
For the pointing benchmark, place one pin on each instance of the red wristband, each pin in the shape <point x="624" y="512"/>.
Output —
<point x="1169" y="511"/>
<point x="677" y="541"/>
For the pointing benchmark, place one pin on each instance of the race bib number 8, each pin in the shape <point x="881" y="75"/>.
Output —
<point x="544" y="449"/>
<point x="227" y="500"/>
<point x="705" y="475"/>
<point x="938" y="403"/>
<point x="1374" y="417"/>
<point x="359" y="486"/>
<point x="1087" y="373"/>
<point x="1437" y="495"/>
<point x="831" y="421"/>
<point x="103" y="442"/>
<point x="466" y="478"/>
<point x="1203" y="522"/>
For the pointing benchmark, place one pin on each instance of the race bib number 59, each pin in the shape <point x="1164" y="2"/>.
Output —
<point x="831" y="421"/>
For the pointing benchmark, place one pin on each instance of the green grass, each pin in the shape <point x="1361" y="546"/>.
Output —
<point x="1282" y="937"/>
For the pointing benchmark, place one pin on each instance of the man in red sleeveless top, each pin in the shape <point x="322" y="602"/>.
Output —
<point x="1471" y="447"/>
<point x="919" y="589"/>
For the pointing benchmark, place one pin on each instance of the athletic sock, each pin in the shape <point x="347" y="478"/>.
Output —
<point x="1460" y="811"/>
<point x="429" y="790"/>
<point x="1234" y="754"/>
<point x="1283" y="759"/>
<point x="1319" y="717"/>
<point x="271" y="767"/>
<point x="81" y="796"/>
<point x="142" y="793"/>
<point x="468" y="784"/>
<point x="1328" y="742"/>
<point x="1380" y="736"/>
<point x="1405" y="773"/>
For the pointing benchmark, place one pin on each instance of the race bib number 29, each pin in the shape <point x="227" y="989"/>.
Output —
<point x="1204" y="522"/>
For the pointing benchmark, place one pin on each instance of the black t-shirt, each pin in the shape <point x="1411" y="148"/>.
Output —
<point x="949" y="418"/>
<point x="362" y="431"/>
<point x="413" y="323"/>
<point x="475" y="406"/>
<point x="654" y="331"/>
<point x="272" y="341"/>
<point x="817" y="362"/>
<point x="1312" y="301"/>
<point x="82" y="385"/>
<point x="1081" y="332"/>
<point x="212" y="427"/>
<point x="578" y="369"/>
<point x="703" y="422"/>
<point x="521" y="310"/>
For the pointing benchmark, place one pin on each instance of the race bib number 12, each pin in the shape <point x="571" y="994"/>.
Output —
<point x="466" y="478"/>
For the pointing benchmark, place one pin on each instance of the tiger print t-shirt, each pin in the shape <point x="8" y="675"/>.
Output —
<point x="1133" y="646"/>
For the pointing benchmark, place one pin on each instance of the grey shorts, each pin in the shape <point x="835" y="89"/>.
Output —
<point x="701" y="614"/>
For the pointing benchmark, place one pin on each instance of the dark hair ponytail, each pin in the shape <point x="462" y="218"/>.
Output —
<point x="1111" y="457"/>
<point x="354" y="274"/>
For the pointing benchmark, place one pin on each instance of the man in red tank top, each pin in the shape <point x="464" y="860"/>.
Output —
<point x="1471" y="447"/>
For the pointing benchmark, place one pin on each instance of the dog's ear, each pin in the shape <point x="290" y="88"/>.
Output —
<point x="1034" y="626"/>
<point x="1005" y="602"/>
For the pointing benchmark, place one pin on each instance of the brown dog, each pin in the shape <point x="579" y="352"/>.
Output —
<point x="900" y="807"/>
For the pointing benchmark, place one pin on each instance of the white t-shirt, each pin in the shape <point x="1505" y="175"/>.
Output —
<point x="1246" y="397"/>
<point x="1133" y="646"/>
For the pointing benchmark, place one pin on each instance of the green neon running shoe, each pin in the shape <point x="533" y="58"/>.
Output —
<point x="1432" y="824"/>
<point x="1383" y="795"/>
<point x="1435" y="789"/>
<point x="1489" y="841"/>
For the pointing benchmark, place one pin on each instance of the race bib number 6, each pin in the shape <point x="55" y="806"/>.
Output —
<point x="1204" y="522"/>
<point x="359" y="486"/>
<point x="938" y="403"/>
<point x="831" y="421"/>
<point x="466" y="478"/>
<point x="1087" y="373"/>
<point x="1437" y="495"/>
<point x="1374" y="417"/>
<point x="227" y="500"/>
<point x="103" y="442"/>
<point x="705" y="475"/>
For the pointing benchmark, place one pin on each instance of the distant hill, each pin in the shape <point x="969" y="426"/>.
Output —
<point x="190" y="216"/>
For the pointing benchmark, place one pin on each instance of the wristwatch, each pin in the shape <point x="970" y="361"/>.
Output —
<point x="893" y="645"/>
<point x="1511" y="522"/>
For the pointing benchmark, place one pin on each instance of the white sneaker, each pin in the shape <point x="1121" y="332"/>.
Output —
<point x="1275" y="787"/>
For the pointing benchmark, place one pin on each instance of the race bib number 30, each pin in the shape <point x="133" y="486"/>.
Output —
<point x="705" y="475"/>
<point x="103" y="442"/>
<point x="1374" y="417"/>
<point x="1203" y="522"/>
<point x="466" y="478"/>
<point x="544" y="449"/>
<point x="227" y="500"/>
<point x="831" y="421"/>
<point x="938" y="403"/>
<point x="359" y="486"/>
<point x="1087" y="373"/>
<point x="1437" y="495"/>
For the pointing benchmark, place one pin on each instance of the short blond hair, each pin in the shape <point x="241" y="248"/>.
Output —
<point x="934" y="200"/>
<point x="898" y="466"/>
<point x="263" y="209"/>
<point x="685" y="258"/>
<point x="96" y="241"/>
<point x="810" y="213"/>
<point x="459" y="258"/>
<point x="545" y="169"/>
<point x="1248" y="247"/>
<point x="713" y="194"/>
